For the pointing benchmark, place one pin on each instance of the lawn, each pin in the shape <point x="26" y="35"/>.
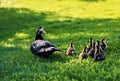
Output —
<point x="64" y="21"/>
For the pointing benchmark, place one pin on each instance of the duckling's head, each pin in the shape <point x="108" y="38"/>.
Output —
<point x="90" y="39"/>
<point x="71" y="44"/>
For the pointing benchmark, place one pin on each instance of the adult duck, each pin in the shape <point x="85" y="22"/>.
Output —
<point x="41" y="47"/>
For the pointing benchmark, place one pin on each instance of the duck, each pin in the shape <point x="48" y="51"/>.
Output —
<point x="92" y="50"/>
<point x="83" y="54"/>
<point x="90" y="44"/>
<point x="103" y="45"/>
<point x="41" y="47"/>
<point x="99" y="54"/>
<point x="70" y="50"/>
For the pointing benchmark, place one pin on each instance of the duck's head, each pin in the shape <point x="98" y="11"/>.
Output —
<point x="98" y="43"/>
<point x="71" y="43"/>
<point x="40" y="30"/>
<point x="39" y="33"/>
<point x="90" y="39"/>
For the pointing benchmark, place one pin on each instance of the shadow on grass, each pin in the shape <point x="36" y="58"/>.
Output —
<point x="14" y="20"/>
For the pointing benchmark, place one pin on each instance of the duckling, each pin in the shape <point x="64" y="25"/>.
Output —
<point x="100" y="48"/>
<point x="40" y="47"/>
<point x="92" y="50"/>
<point x="103" y="45"/>
<point x="83" y="55"/>
<point x="98" y="56"/>
<point x="70" y="50"/>
<point x="90" y="44"/>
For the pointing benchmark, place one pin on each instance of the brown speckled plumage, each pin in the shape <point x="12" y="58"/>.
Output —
<point x="99" y="53"/>
<point x="70" y="50"/>
<point x="83" y="55"/>
<point x="92" y="50"/>
<point x="90" y="44"/>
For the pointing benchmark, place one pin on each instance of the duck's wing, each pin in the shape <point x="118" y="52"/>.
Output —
<point x="69" y="51"/>
<point x="38" y="45"/>
<point x="42" y="46"/>
<point x="49" y="44"/>
<point x="72" y="50"/>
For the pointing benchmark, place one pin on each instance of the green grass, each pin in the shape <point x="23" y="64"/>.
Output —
<point x="64" y="21"/>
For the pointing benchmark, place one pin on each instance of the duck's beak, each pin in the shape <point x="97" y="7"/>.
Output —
<point x="43" y="30"/>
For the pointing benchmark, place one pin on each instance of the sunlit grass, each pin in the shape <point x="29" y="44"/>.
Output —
<point x="6" y="44"/>
<point x="21" y="35"/>
<point x="76" y="8"/>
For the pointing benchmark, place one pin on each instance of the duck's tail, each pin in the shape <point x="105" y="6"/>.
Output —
<point x="56" y="49"/>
